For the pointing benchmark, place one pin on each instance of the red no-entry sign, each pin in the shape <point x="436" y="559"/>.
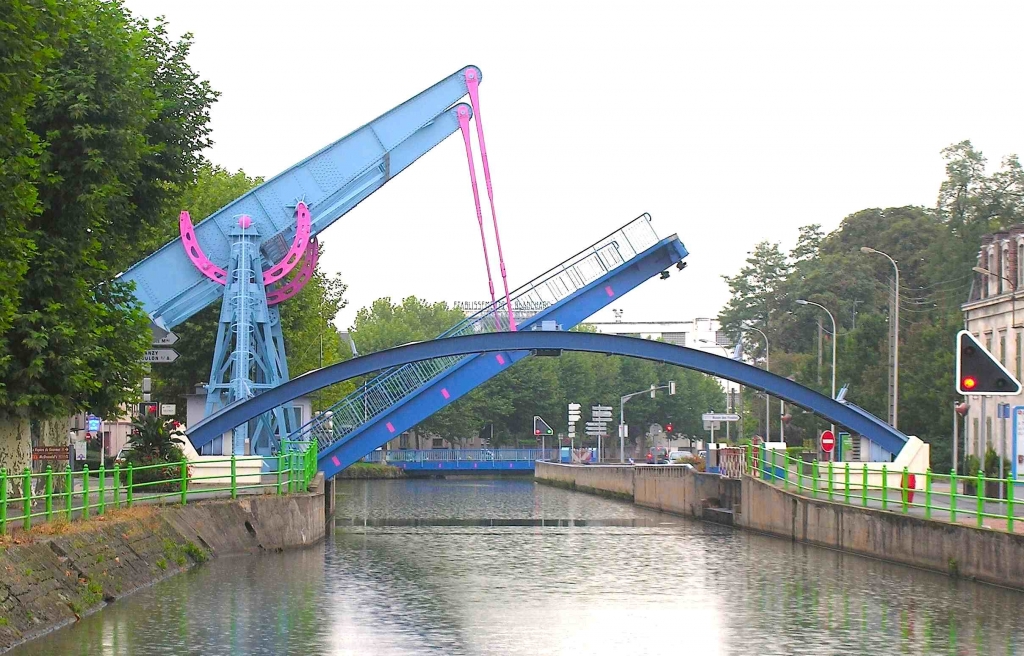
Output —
<point x="827" y="441"/>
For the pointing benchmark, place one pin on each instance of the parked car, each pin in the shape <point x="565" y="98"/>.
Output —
<point x="658" y="455"/>
<point x="122" y="455"/>
<point x="676" y="457"/>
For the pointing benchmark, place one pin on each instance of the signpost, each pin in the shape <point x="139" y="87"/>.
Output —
<point x="168" y="409"/>
<point x="160" y="355"/>
<point x="827" y="442"/>
<point x="712" y="421"/>
<point x="50" y="453"/>
<point x="600" y="415"/>
<point x="575" y="414"/>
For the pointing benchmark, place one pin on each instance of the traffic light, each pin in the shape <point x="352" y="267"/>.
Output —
<point x="148" y="409"/>
<point x="977" y="372"/>
<point x="540" y="427"/>
<point x="668" y="427"/>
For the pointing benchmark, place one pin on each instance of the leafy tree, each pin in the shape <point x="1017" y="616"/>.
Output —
<point x="385" y="324"/>
<point x="113" y="141"/>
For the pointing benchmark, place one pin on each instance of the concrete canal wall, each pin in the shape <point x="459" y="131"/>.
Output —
<point x="987" y="555"/>
<point x="982" y="554"/>
<point x="58" y="572"/>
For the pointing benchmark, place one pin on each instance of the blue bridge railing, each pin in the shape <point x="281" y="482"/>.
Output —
<point x="460" y="455"/>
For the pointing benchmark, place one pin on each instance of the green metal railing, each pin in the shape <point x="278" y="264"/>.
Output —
<point x="948" y="497"/>
<point x="70" y="495"/>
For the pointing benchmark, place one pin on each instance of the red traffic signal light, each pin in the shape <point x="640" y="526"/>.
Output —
<point x="978" y="372"/>
<point x="668" y="427"/>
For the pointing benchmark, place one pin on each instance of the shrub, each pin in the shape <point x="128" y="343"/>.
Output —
<point x="155" y="441"/>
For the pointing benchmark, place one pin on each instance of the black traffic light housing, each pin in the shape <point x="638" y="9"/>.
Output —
<point x="540" y="427"/>
<point x="978" y="372"/>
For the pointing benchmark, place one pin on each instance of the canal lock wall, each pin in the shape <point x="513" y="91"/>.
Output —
<point x="980" y="554"/>
<point x="59" y="572"/>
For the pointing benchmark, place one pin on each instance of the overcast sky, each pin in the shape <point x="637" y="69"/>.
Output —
<point x="729" y="122"/>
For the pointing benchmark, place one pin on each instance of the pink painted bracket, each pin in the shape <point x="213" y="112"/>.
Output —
<point x="299" y="244"/>
<point x="195" y="252"/>
<point x="296" y="284"/>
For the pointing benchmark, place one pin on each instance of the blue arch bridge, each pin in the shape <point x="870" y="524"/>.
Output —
<point x="493" y="353"/>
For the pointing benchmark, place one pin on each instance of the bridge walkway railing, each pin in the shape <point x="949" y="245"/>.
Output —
<point x="552" y="286"/>
<point x="454" y="455"/>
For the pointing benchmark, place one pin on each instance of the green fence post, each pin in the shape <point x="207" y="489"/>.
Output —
<point x="928" y="493"/>
<point x="981" y="500"/>
<point x="831" y="480"/>
<point x="773" y="477"/>
<point x="117" y="485"/>
<point x="280" y="464"/>
<point x="26" y="493"/>
<point x="904" y="488"/>
<point x="786" y="461"/>
<point x="1009" y="505"/>
<point x="291" y="472"/>
<point x="234" y="479"/>
<point x="3" y="502"/>
<point x="69" y="490"/>
<point x="800" y="476"/>
<point x="85" y="491"/>
<point x="49" y="493"/>
<point x="103" y="488"/>
<point x="952" y="495"/>
<point x="129" y="486"/>
<point x="814" y="479"/>
<point x="846" y="482"/>
<point x="885" y="487"/>
<point x="864" y="486"/>
<point x="184" y="481"/>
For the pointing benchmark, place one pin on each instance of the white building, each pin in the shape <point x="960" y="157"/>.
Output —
<point x="989" y="316"/>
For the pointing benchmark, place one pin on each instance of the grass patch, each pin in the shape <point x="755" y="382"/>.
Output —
<point x="195" y="552"/>
<point x="371" y="470"/>
<point x="161" y="563"/>
<point x="3" y="621"/>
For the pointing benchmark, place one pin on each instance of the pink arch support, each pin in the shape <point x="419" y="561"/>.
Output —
<point x="299" y="244"/>
<point x="195" y="252"/>
<point x="296" y="284"/>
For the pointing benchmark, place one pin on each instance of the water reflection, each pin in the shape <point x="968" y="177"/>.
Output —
<point x="507" y="567"/>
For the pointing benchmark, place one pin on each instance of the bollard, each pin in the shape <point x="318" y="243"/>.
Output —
<point x="864" y="486"/>
<point x="69" y="487"/>
<point x="184" y="481"/>
<point x="3" y="502"/>
<point x="85" y="491"/>
<point x="904" y="485"/>
<point x="103" y="486"/>
<point x="928" y="493"/>
<point x="885" y="487"/>
<point x="1009" y="506"/>
<point x="26" y="493"/>
<point x="49" y="493"/>
<point x="129" y="484"/>
<point x="952" y="495"/>
<point x="981" y="500"/>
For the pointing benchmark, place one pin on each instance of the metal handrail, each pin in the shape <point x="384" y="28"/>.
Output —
<point x="552" y="286"/>
<point x="459" y="455"/>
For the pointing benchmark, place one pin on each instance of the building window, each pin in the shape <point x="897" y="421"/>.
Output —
<point x="1002" y="348"/>
<point x="679" y="339"/>
<point x="1004" y="268"/>
<point x="988" y="342"/>
<point x="988" y="438"/>
<point x="438" y="443"/>
<point x="403" y="441"/>
<point x="1020" y="263"/>
<point x="1018" y="354"/>
<point x="721" y="339"/>
<point x="992" y="267"/>
<point x="974" y="437"/>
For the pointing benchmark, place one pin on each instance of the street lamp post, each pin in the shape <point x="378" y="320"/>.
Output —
<point x="671" y="387"/>
<point x="1013" y="292"/>
<point x="767" y="398"/>
<point x="835" y="339"/>
<point x="896" y="343"/>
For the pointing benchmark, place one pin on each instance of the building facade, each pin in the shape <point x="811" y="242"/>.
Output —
<point x="992" y="316"/>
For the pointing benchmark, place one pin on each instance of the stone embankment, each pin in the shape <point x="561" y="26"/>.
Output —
<point x="58" y="572"/>
<point x="981" y="554"/>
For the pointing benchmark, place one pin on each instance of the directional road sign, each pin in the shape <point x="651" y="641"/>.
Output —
<point x="160" y="355"/>
<point x="165" y="340"/>
<point x="714" y="416"/>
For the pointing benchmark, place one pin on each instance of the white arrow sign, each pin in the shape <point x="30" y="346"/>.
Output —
<point x="161" y="355"/>
<point x="166" y="340"/>
<point x="713" y="416"/>
<point x="601" y="407"/>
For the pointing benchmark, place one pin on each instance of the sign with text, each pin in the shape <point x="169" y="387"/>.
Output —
<point x="716" y="416"/>
<point x="50" y="453"/>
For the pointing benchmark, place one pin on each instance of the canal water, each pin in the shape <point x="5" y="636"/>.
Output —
<point x="505" y="566"/>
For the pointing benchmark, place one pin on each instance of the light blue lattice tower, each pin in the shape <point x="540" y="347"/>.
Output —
<point x="249" y="356"/>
